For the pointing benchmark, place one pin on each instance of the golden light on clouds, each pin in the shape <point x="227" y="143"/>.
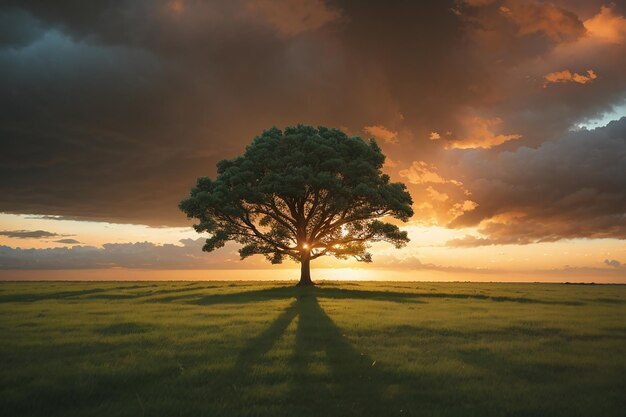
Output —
<point x="436" y="195"/>
<point x="481" y="133"/>
<point x="390" y="163"/>
<point x="382" y="133"/>
<point x="421" y="172"/>
<point x="462" y="207"/>
<point x="607" y="26"/>
<point x="548" y="19"/>
<point x="568" y="76"/>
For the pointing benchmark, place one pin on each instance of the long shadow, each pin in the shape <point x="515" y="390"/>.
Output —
<point x="228" y="389"/>
<point x="263" y="343"/>
<point x="331" y="376"/>
<point x="326" y="375"/>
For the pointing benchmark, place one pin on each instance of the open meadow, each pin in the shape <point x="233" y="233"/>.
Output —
<point x="339" y="349"/>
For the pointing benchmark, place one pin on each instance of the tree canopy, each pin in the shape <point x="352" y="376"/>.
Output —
<point x="301" y="194"/>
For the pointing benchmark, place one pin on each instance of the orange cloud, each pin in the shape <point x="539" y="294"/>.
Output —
<point x="462" y="207"/>
<point x="531" y="17"/>
<point x="441" y="199"/>
<point x="382" y="133"/>
<point x="390" y="163"/>
<point x="567" y="76"/>
<point x="436" y="195"/>
<point x="480" y="134"/>
<point x="422" y="172"/>
<point x="434" y="136"/>
<point x="607" y="26"/>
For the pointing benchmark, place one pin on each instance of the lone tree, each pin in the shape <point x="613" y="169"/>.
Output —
<point x="301" y="194"/>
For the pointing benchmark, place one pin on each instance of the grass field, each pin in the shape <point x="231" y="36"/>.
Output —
<point x="341" y="349"/>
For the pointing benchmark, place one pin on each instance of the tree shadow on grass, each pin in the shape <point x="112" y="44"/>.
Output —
<point x="331" y="375"/>
<point x="325" y="374"/>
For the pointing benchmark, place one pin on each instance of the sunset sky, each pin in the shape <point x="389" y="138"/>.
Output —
<point x="505" y="118"/>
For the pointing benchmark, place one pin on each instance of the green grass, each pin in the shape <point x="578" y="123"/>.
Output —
<point x="341" y="349"/>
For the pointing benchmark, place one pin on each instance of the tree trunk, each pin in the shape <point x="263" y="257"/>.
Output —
<point x="305" y="269"/>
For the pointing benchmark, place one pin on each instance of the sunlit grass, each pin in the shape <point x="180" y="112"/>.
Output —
<point x="269" y="349"/>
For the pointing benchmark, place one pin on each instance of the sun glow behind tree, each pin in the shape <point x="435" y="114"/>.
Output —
<point x="301" y="194"/>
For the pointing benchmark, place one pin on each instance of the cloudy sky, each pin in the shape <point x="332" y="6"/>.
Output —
<point x="505" y="118"/>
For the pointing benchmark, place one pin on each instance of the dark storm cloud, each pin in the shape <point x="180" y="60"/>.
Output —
<point x="18" y="28"/>
<point x="110" y="110"/>
<point x="516" y="43"/>
<point x="574" y="187"/>
<point x="27" y="234"/>
<point x="115" y="110"/>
